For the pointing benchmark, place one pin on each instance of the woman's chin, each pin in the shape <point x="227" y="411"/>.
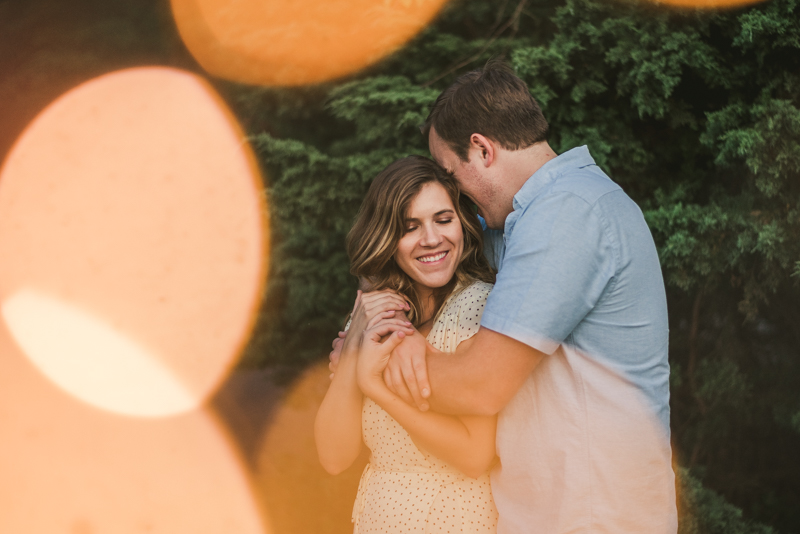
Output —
<point x="434" y="282"/>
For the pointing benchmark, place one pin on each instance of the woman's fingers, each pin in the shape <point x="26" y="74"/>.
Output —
<point x="335" y="354"/>
<point x="384" y="297"/>
<point x="390" y="318"/>
<point x="376" y="333"/>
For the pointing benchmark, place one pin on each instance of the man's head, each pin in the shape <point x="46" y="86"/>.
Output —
<point x="485" y="111"/>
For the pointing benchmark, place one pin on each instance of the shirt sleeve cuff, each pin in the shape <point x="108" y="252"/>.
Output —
<point x="513" y="330"/>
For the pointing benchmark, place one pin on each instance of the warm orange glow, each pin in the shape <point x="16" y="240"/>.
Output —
<point x="284" y="43"/>
<point x="132" y="215"/>
<point x="289" y="474"/>
<point x="70" y="468"/>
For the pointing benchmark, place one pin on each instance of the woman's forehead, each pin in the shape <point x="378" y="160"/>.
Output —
<point x="431" y="199"/>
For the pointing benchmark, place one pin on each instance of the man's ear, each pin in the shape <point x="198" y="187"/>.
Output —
<point x="484" y="148"/>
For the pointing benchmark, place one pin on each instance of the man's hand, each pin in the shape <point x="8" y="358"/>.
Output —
<point x="406" y="374"/>
<point x="376" y="348"/>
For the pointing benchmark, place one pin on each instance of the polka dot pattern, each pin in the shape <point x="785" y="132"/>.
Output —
<point x="405" y="489"/>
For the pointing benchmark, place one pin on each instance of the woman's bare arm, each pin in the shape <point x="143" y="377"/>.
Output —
<point x="337" y="429"/>
<point x="465" y="442"/>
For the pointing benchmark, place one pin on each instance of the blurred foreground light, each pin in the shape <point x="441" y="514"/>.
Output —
<point x="133" y="238"/>
<point x="104" y="367"/>
<point x="272" y="42"/>
<point x="288" y="472"/>
<point x="69" y="468"/>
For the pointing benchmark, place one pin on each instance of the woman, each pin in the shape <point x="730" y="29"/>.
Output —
<point x="428" y="472"/>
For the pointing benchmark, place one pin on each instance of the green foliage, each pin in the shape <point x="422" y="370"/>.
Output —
<point x="703" y="511"/>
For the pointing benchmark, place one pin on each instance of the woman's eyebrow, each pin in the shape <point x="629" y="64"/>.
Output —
<point x="414" y="219"/>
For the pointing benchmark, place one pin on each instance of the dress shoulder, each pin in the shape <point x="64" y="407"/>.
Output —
<point x="460" y="316"/>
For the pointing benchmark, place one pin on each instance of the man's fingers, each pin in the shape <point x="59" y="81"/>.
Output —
<point x="399" y="384"/>
<point x="410" y="377"/>
<point x="421" y="372"/>
<point x="387" y="379"/>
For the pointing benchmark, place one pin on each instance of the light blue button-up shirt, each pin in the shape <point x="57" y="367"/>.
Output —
<point x="579" y="280"/>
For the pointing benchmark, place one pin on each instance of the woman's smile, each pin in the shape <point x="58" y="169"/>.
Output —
<point x="433" y="258"/>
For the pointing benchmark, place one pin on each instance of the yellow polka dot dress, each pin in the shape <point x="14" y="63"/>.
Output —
<point x="405" y="489"/>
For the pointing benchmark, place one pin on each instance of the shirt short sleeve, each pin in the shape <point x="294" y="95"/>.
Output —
<point x="557" y="263"/>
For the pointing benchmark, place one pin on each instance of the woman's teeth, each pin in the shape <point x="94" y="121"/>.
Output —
<point x="429" y="259"/>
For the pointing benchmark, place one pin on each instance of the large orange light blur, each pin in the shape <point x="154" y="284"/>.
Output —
<point x="70" y="468"/>
<point x="289" y="475"/>
<point x="132" y="232"/>
<point x="272" y="42"/>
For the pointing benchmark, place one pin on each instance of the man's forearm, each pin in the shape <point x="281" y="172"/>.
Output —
<point x="482" y="376"/>
<point x="454" y="388"/>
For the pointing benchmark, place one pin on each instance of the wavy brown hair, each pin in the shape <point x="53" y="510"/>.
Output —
<point x="380" y="224"/>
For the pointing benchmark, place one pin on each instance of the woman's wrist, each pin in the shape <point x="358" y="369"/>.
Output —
<point x="374" y="387"/>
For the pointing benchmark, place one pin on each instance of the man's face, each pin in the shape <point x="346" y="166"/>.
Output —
<point x="473" y="179"/>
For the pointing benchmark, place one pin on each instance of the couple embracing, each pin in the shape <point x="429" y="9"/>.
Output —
<point x="508" y="371"/>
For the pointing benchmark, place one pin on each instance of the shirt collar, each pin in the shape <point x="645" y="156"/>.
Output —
<point x="576" y="158"/>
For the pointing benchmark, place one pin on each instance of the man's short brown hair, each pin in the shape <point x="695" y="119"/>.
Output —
<point x="491" y="101"/>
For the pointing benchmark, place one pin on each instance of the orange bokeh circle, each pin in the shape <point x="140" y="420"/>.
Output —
<point x="134" y="241"/>
<point x="279" y="43"/>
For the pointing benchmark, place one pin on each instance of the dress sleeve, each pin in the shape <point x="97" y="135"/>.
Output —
<point x="471" y="303"/>
<point x="460" y="316"/>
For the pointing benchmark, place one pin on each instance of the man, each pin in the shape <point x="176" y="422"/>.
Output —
<point x="572" y="350"/>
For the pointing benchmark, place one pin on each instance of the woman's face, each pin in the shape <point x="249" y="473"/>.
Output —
<point x="431" y="247"/>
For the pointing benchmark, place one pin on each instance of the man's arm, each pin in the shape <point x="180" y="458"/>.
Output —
<point x="480" y="378"/>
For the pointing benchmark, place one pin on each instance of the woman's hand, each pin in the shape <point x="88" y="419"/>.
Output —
<point x="377" y="305"/>
<point x="372" y="308"/>
<point x="373" y="355"/>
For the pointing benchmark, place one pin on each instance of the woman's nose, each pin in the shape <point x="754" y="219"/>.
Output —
<point x="430" y="236"/>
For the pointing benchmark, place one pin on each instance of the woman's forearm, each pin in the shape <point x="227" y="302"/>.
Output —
<point x="467" y="443"/>
<point x="337" y="429"/>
